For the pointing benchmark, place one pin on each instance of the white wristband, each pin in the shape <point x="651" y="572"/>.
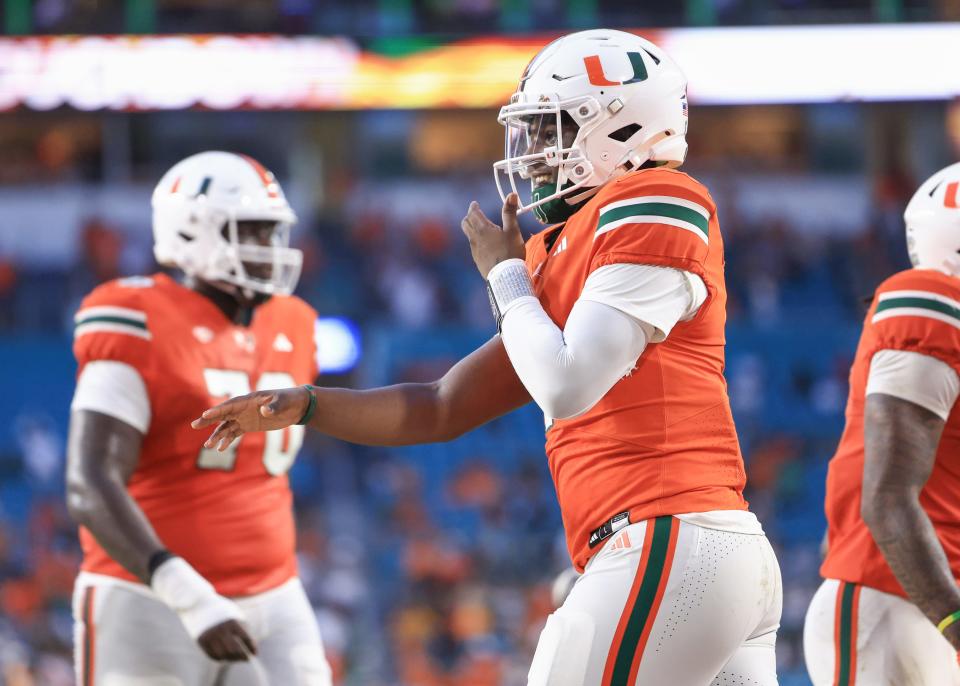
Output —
<point x="507" y="283"/>
<point x="191" y="596"/>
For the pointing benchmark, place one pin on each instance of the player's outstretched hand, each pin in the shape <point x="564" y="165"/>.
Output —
<point x="490" y="244"/>
<point x="228" y="642"/>
<point x="260" y="411"/>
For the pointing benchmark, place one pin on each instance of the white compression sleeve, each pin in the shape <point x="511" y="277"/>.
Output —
<point x="567" y="372"/>
<point x="621" y="309"/>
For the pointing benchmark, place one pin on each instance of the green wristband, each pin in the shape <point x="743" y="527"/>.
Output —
<point x="311" y="405"/>
<point x="947" y="621"/>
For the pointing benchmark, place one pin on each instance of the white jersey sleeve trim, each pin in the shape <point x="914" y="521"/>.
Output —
<point x="916" y="378"/>
<point x="657" y="296"/>
<point x="115" y="389"/>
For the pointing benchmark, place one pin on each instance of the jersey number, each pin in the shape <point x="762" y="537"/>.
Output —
<point x="281" y="446"/>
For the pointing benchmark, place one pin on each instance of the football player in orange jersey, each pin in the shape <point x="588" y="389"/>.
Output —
<point x="612" y="321"/>
<point x="189" y="566"/>
<point x="893" y="557"/>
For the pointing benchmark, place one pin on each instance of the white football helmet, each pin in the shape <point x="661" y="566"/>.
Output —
<point x="196" y="207"/>
<point x="933" y="222"/>
<point x="626" y="97"/>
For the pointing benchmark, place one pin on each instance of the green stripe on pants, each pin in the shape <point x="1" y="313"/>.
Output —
<point x="640" y="613"/>
<point x="846" y="631"/>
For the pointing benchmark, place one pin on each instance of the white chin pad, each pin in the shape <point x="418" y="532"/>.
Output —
<point x="563" y="650"/>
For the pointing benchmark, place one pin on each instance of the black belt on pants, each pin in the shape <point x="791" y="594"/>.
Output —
<point x="608" y="528"/>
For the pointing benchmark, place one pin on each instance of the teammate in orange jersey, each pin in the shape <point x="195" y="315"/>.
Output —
<point x="612" y="320"/>
<point x="893" y="559"/>
<point x="184" y="545"/>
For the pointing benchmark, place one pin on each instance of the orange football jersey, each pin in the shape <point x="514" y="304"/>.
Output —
<point x="917" y="311"/>
<point x="228" y="514"/>
<point x="662" y="440"/>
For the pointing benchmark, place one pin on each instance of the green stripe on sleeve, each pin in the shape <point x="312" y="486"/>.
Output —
<point x="918" y="302"/>
<point x="103" y="319"/>
<point x="656" y="209"/>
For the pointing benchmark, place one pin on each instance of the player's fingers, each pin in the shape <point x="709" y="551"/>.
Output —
<point x="476" y="218"/>
<point x="225" y="434"/>
<point x="510" y="205"/>
<point x="509" y="214"/>
<point x="236" y="641"/>
<point x="247" y="642"/>
<point x="216" y="435"/>
<point x="229" y="436"/>
<point x="468" y="222"/>
<point x="211" y="646"/>
<point x="237" y="651"/>
<point x="216" y="414"/>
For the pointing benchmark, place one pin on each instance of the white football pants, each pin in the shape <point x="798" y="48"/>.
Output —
<point x="125" y="636"/>
<point x="858" y="636"/>
<point x="667" y="603"/>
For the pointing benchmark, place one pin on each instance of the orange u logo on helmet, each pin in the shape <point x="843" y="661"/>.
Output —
<point x="950" y="196"/>
<point x="598" y="78"/>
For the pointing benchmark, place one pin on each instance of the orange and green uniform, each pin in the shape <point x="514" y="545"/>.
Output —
<point x="662" y="441"/>
<point x="228" y="514"/>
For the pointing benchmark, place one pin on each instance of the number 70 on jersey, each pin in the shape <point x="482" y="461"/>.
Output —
<point x="280" y="447"/>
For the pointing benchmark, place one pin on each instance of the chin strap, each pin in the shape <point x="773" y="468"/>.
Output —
<point x="558" y="209"/>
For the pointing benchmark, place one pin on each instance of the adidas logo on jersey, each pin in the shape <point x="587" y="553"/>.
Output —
<point x="282" y="344"/>
<point x="623" y="541"/>
<point x="560" y="246"/>
<point x="202" y="334"/>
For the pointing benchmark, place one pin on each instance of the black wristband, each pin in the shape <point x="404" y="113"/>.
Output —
<point x="311" y="405"/>
<point x="157" y="559"/>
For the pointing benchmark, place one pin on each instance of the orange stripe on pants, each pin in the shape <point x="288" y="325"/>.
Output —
<point x="89" y="638"/>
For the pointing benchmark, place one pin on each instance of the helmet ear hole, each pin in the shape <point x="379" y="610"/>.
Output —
<point x="624" y="133"/>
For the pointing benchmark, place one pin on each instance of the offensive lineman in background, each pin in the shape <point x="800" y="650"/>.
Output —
<point x="893" y="559"/>
<point x="189" y="564"/>
<point x="614" y="325"/>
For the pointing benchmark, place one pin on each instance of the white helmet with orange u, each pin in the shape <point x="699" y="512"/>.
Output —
<point x="198" y="209"/>
<point x="590" y="106"/>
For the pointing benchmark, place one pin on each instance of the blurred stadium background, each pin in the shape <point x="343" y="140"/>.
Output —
<point x="430" y="566"/>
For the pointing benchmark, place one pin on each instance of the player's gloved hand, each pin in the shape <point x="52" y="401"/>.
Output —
<point x="489" y="244"/>
<point x="211" y="619"/>
<point x="260" y="411"/>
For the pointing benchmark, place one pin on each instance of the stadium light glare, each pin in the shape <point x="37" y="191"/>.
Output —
<point x="724" y="66"/>
<point x="338" y="344"/>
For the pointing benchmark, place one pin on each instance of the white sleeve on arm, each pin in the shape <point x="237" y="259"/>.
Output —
<point x="566" y="372"/>
<point x="622" y="307"/>
<point x="917" y="378"/>
<point x="657" y="296"/>
<point x="115" y="389"/>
